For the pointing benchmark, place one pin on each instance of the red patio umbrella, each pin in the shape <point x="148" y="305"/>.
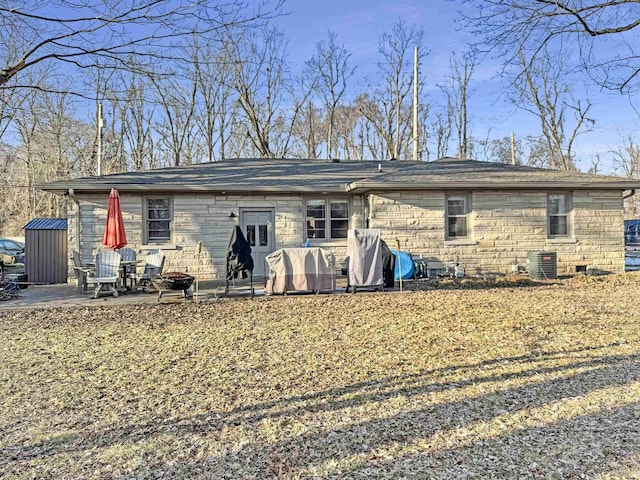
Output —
<point x="114" y="236"/>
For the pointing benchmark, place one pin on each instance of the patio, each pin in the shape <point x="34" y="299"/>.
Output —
<point x="66" y="295"/>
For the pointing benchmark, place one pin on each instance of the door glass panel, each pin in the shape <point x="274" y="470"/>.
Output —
<point x="262" y="230"/>
<point x="251" y="235"/>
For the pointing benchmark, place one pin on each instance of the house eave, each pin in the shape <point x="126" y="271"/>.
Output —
<point x="364" y="187"/>
<point x="64" y="188"/>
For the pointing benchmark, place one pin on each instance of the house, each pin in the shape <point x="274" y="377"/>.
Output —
<point x="486" y="216"/>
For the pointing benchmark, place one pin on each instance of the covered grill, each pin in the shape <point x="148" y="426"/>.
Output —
<point x="371" y="262"/>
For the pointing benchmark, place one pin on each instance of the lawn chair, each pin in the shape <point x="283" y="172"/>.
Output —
<point x="9" y="288"/>
<point x="127" y="254"/>
<point x="107" y="271"/>
<point x="83" y="272"/>
<point x="154" y="264"/>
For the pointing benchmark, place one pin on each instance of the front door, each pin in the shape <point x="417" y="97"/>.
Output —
<point x="258" y="229"/>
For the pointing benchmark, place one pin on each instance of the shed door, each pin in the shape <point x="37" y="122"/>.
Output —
<point x="258" y="229"/>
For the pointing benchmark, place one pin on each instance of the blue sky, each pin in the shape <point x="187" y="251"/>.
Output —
<point x="359" y="23"/>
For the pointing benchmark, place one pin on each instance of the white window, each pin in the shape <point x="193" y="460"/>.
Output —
<point x="159" y="215"/>
<point x="457" y="216"/>
<point x="558" y="209"/>
<point x="327" y="219"/>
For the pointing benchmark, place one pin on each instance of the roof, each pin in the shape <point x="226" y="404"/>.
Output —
<point x="47" y="224"/>
<point x="357" y="176"/>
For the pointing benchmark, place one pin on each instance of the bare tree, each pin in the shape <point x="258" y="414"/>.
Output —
<point x="544" y="92"/>
<point x="259" y="81"/>
<point x="501" y="150"/>
<point x="603" y="32"/>
<point x="84" y="33"/>
<point x="135" y="114"/>
<point x="177" y="100"/>
<point x="390" y="110"/>
<point x="214" y="97"/>
<point x="442" y="125"/>
<point x="308" y="130"/>
<point x="626" y="158"/>
<point x="456" y="88"/>
<point x="347" y="133"/>
<point x="330" y="66"/>
<point x="626" y="161"/>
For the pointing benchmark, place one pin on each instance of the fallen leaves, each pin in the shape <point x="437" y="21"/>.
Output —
<point x="484" y="381"/>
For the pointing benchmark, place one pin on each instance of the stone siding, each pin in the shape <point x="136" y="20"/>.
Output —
<point x="197" y="218"/>
<point x="504" y="226"/>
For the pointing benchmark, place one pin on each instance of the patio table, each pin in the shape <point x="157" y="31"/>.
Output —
<point x="127" y="267"/>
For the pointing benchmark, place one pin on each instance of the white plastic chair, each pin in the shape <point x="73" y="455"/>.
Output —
<point x="154" y="263"/>
<point x="107" y="272"/>
<point x="83" y="272"/>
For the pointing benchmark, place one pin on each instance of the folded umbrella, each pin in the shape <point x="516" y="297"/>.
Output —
<point x="114" y="235"/>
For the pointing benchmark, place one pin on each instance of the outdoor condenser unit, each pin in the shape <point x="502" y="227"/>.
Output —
<point x="543" y="265"/>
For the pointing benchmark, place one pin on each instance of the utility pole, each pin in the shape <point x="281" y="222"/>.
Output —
<point x="513" y="149"/>
<point x="415" y="103"/>
<point x="99" y="150"/>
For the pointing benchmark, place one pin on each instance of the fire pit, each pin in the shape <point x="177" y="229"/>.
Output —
<point x="172" y="281"/>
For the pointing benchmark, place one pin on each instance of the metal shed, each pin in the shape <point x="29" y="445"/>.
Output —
<point x="46" y="250"/>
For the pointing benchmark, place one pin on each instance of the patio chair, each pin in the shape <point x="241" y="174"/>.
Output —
<point x="9" y="288"/>
<point x="129" y="269"/>
<point x="127" y="254"/>
<point x="107" y="270"/>
<point x="83" y="272"/>
<point x="154" y="263"/>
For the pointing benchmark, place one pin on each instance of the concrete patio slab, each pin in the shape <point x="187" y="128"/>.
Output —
<point x="66" y="295"/>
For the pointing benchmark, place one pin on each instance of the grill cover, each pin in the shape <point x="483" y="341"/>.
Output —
<point x="300" y="269"/>
<point x="364" y="249"/>
<point x="239" y="260"/>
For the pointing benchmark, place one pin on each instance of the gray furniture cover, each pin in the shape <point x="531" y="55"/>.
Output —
<point x="364" y="249"/>
<point x="300" y="269"/>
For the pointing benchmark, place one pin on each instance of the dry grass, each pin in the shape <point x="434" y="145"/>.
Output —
<point x="526" y="382"/>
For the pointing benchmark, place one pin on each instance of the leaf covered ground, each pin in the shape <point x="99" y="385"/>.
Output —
<point x="533" y="381"/>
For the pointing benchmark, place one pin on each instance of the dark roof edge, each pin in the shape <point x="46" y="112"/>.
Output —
<point x="361" y="187"/>
<point x="354" y="187"/>
<point x="64" y="187"/>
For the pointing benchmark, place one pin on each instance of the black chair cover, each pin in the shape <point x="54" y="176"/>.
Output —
<point x="239" y="260"/>
<point x="388" y="266"/>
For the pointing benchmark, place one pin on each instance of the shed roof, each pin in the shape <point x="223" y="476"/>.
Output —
<point x="358" y="176"/>
<point x="46" y="224"/>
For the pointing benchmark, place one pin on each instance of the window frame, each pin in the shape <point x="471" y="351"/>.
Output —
<point x="147" y="240"/>
<point x="328" y="218"/>
<point x="568" y="204"/>
<point x="466" y="196"/>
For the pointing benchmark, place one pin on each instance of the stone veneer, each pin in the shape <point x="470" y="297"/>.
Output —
<point x="504" y="225"/>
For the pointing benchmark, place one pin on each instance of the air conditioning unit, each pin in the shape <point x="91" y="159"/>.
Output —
<point x="543" y="265"/>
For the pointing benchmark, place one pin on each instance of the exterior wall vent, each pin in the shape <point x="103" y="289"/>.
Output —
<point x="543" y="265"/>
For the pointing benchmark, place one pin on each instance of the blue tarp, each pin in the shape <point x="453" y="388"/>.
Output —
<point x="632" y="233"/>
<point x="404" y="263"/>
